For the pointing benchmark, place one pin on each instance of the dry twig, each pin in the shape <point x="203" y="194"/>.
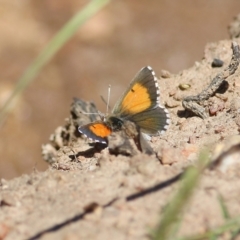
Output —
<point x="192" y="103"/>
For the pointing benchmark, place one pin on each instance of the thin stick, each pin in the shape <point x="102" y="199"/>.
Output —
<point x="192" y="103"/>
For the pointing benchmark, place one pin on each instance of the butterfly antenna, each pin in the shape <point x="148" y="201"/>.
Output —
<point x="103" y="99"/>
<point x="109" y="91"/>
<point x="87" y="113"/>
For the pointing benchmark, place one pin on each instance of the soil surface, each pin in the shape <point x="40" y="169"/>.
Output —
<point x="107" y="49"/>
<point x="87" y="193"/>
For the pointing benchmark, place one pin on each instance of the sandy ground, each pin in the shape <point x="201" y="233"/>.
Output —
<point x="108" y="49"/>
<point x="91" y="194"/>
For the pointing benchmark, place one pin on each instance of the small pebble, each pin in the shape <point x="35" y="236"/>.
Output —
<point x="172" y="92"/>
<point x="213" y="110"/>
<point x="221" y="96"/>
<point x="184" y="86"/>
<point x="219" y="129"/>
<point x="172" y="104"/>
<point x="217" y="63"/>
<point x="192" y="140"/>
<point x="236" y="83"/>
<point x="165" y="74"/>
<point x="8" y="199"/>
<point x="169" y="156"/>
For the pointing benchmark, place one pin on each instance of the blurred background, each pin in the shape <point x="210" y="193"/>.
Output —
<point x="108" y="49"/>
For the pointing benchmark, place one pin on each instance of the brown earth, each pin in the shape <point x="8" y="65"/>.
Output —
<point x="108" y="49"/>
<point x="103" y="196"/>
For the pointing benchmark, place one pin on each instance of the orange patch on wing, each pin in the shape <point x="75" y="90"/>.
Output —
<point x="137" y="99"/>
<point x="100" y="130"/>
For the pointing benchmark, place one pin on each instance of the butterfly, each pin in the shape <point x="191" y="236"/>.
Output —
<point x="139" y="104"/>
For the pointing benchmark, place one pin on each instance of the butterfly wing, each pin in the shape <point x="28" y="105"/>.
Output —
<point x="152" y="121"/>
<point x="96" y="131"/>
<point x="140" y="103"/>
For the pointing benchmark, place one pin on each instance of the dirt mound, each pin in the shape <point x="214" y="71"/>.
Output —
<point x="96" y="195"/>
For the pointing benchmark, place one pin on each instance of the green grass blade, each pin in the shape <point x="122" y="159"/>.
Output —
<point x="229" y="225"/>
<point x="174" y="208"/>
<point x="226" y="215"/>
<point x="52" y="48"/>
<point x="223" y="207"/>
<point x="213" y="237"/>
